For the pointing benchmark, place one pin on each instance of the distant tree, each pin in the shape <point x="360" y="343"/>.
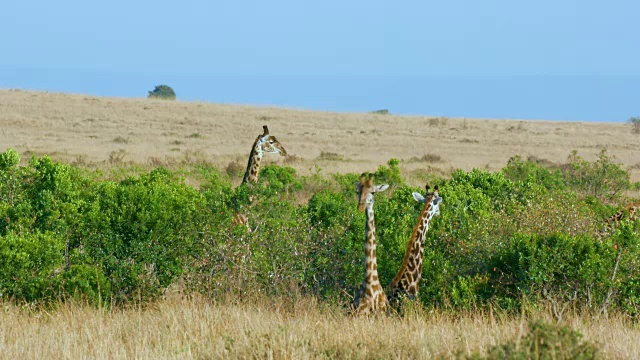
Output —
<point x="163" y="92"/>
<point x="635" y="124"/>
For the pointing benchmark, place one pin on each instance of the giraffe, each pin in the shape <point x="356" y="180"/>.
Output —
<point x="371" y="297"/>
<point x="408" y="277"/>
<point x="264" y="143"/>
<point x="631" y="210"/>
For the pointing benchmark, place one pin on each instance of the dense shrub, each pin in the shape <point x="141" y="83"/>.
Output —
<point x="525" y="236"/>
<point x="9" y="159"/>
<point x="86" y="282"/>
<point x="140" y="230"/>
<point x="30" y="265"/>
<point x="530" y="171"/>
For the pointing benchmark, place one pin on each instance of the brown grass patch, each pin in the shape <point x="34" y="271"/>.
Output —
<point x="330" y="156"/>
<point x="120" y="140"/>
<point x="426" y="158"/>
<point x="235" y="169"/>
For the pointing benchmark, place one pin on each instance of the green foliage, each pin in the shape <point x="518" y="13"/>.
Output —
<point x="278" y="179"/>
<point x="140" y="230"/>
<point x="327" y="208"/>
<point x="557" y="268"/>
<point x="601" y="179"/>
<point x="29" y="265"/>
<point x="529" y="171"/>
<point x="544" y="341"/>
<point x="524" y="233"/>
<point x="389" y="174"/>
<point x="9" y="159"/>
<point x="162" y="92"/>
<point x="336" y="250"/>
<point x="86" y="282"/>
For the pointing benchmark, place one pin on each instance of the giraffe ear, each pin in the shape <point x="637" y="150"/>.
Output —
<point x="379" y="188"/>
<point x="436" y="200"/>
<point x="419" y="197"/>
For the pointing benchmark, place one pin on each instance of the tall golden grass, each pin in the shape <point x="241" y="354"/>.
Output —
<point x="196" y="328"/>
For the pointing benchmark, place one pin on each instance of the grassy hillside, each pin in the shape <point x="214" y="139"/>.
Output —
<point x="86" y="130"/>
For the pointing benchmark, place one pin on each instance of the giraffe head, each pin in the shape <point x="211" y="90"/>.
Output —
<point x="269" y="144"/>
<point x="365" y="190"/>
<point x="431" y="199"/>
<point x="264" y="143"/>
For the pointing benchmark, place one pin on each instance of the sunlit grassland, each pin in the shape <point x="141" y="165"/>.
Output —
<point x="282" y="329"/>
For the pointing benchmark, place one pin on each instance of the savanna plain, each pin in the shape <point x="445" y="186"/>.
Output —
<point x="117" y="238"/>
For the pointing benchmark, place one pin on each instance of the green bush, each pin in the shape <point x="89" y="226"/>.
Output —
<point x="139" y="231"/>
<point x="601" y="179"/>
<point x="29" y="266"/>
<point x="85" y="282"/>
<point x="557" y="269"/>
<point x="389" y="174"/>
<point x="162" y="92"/>
<point x="9" y="159"/>
<point x="526" y="232"/>
<point x="529" y="171"/>
<point x="276" y="179"/>
<point x="336" y="250"/>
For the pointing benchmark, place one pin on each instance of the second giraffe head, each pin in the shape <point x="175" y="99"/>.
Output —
<point x="365" y="189"/>
<point x="432" y="199"/>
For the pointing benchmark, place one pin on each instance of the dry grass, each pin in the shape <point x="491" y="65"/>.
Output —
<point x="72" y="126"/>
<point x="197" y="328"/>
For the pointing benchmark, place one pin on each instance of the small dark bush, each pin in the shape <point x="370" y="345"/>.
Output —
<point x="163" y="92"/>
<point x="635" y="124"/>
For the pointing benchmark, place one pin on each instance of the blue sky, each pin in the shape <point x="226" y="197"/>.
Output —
<point x="557" y="60"/>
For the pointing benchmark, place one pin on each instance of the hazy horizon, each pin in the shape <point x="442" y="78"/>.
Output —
<point x="559" y="98"/>
<point x="568" y="60"/>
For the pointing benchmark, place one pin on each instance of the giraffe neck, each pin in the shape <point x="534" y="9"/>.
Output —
<point x="250" y="176"/>
<point x="371" y="297"/>
<point x="253" y="166"/>
<point x="408" y="277"/>
<point x="371" y="265"/>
